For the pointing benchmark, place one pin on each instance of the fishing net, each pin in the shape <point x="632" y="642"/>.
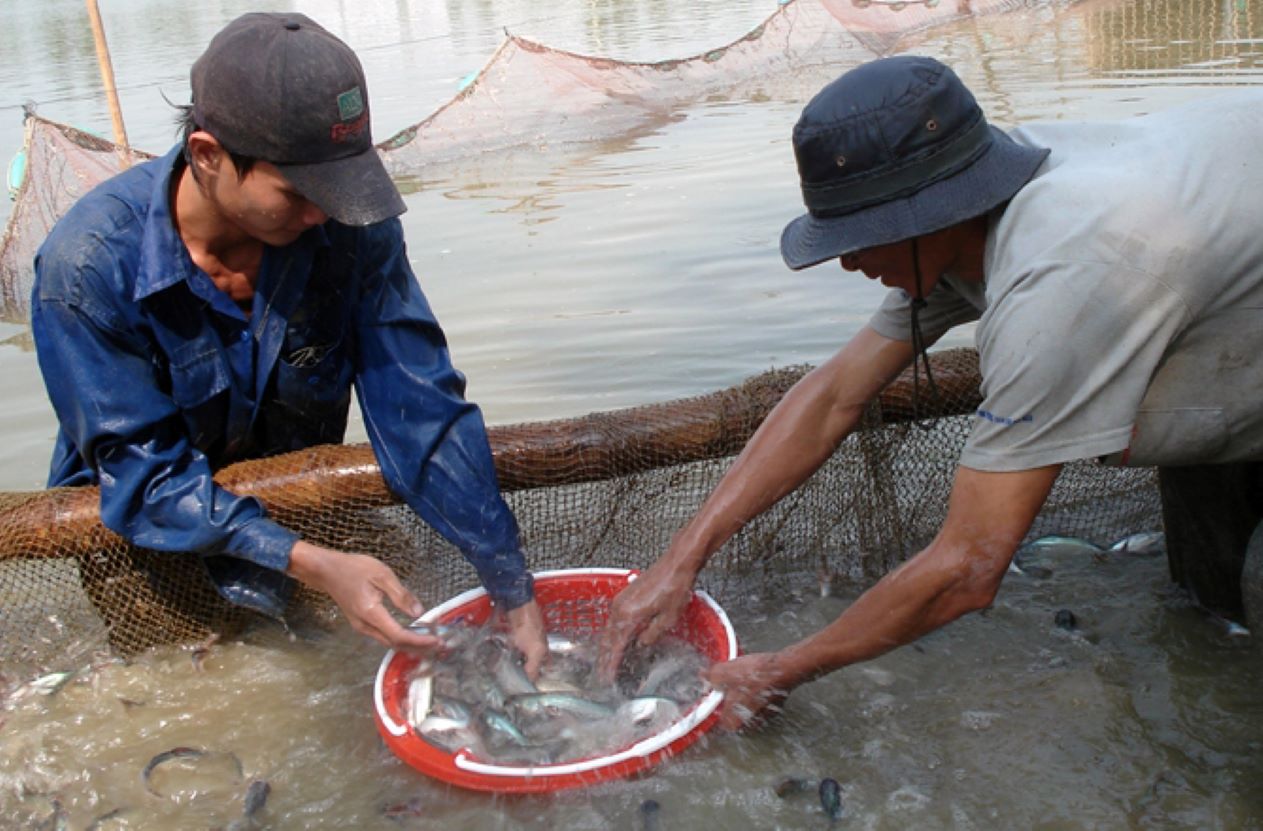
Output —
<point x="606" y="489"/>
<point x="527" y="96"/>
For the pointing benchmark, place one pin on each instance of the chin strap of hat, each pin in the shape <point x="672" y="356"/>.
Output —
<point x="919" y="355"/>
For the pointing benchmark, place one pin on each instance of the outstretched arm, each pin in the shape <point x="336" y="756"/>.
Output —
<point x="797" y="437"/>
<point x="959" y="572"/>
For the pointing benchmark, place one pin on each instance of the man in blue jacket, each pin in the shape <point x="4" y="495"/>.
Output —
<point x="220" y="302"/>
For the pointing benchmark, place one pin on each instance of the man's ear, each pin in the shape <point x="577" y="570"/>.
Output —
<point x="204" y="154"/>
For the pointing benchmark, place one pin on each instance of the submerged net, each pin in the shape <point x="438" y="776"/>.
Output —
<point x="607" y="489"/>
<point x="528" y="95"/>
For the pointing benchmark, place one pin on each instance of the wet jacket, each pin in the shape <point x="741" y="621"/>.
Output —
<point x="158" y="380"/>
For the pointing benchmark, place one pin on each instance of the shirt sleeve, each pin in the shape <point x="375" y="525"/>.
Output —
<point x="1066" y="356"/>
<point x="430" y="442"/>
<point x="156" y="488"/>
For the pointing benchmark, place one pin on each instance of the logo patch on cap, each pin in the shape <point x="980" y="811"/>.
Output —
<point x="350" y="104"/>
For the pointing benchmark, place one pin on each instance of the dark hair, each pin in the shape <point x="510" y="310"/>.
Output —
<point x="186" y="125"/>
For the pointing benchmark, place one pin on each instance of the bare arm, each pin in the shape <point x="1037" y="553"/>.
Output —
<point x="959" y="572"/>
<point x="798" y="436"/>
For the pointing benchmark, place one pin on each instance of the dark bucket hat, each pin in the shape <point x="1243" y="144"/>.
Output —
<point x="894" y="149"/>
<point x="280" y="88"/>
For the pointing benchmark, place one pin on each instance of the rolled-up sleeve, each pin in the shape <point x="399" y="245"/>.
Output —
<point x="430" y="442"/>
<point x="156" y="487"/>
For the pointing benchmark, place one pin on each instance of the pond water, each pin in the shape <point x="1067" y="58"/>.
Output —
<point x="634" y="270"/>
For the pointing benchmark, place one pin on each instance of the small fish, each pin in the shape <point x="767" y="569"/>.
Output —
<point x="51" y="683"/>
<point x="649" y="811"/>
<point x="831" y="798"/>
<point x="792" y="785"/>
<point x="559" y="644"/>
<point x="1144" y="544"/>
<point x="450" y="708"/>
<point x="661" y="673"/>
<point x="116" y="818"/>
<point x="1057" y="541"/>
<point x="1016" y="566"/>
<point x="256" y="797"/>
<point x="499" y="725"/>
<point x="1065" y="619"/>
<point x="397" y="811"/>
<point x="164" y="757"/>
<point x="640" y="711"/>
<point x="420" y="697"/>
<point x="434" y="630"/>
<point x="549" y="703"/>
<point x="257" y="794"/>
<point x="511" y="676"/>
<point x="201" y="650"/>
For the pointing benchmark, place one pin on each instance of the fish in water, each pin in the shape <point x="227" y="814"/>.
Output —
<point x="256" y="797"/>
<point x="223" y="764"/>
<point x="792" y="785"/>
<point x="1058" y="541"/>
<point x="649" y="811"/>
<point x="477" y="696"/>
<point x="831" y="798"/>
<point x="1017" y="566"/>
<point x="1065" y="619"/>
<point x="1144" y="544"/>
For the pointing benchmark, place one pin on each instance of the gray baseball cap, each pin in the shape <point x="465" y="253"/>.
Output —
<point x="279" y="88"/>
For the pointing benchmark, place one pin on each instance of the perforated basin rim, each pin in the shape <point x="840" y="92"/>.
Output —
<point x="573" y="602"/>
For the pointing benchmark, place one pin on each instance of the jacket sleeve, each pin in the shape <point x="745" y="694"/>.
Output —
<point x="156" y="487"/>
<point x="430" y="442"/>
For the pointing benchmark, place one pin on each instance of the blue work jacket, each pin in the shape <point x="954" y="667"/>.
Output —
<point x="158" y="380"/>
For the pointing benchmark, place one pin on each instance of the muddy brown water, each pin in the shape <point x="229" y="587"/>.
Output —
<point x="636" y="271"/>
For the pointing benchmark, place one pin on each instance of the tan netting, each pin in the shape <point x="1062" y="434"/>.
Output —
<point x="606" y="489"/>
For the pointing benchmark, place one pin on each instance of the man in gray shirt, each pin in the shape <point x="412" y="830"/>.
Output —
<point x="1116" y="274"/>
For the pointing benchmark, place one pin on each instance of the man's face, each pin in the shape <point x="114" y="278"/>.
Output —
<point x="893" y="266"/>
<point x="262" y="204"/>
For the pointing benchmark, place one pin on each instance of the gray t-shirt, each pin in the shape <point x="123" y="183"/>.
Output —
<point x="1122" y="314"/>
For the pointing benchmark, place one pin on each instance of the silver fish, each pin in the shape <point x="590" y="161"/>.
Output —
<point x="554" y="703"/>
<point x="420" y="698"/>
<point x="1058" y="541"/>
<point x="648" y="710"/>
<point x="502" y="728"/>
<point x="1144" y="544"/>
<point x="511" y="676"/>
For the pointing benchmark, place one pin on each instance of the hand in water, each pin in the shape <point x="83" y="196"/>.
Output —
<point x="647" y="609"/>
<point x="362" y="586"/>
<point x="752" y="688"/>
<point x="526" y="630"/>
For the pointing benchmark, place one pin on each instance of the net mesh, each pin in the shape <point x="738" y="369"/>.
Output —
<point x="606" y="489"/>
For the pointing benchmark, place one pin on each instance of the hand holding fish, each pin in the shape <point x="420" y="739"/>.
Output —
<point x="649" y="606"/>
<point x="753" y="689"/>
<point x="361" y="586"/>
<point x="526" y="630"/>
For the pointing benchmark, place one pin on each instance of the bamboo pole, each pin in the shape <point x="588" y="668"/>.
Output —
<point x="107" y="78"/>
